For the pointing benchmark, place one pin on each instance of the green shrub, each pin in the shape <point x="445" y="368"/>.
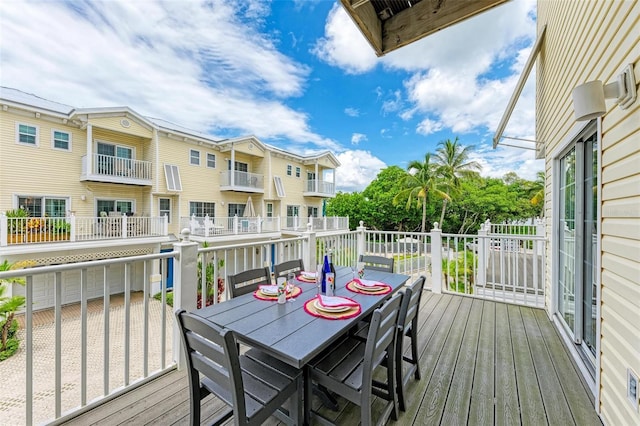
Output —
<point x="158" y="296"/>
<point x="12" y="343"/>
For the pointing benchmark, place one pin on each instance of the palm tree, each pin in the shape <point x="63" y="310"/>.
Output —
<point x="538" y="196"/>
<point x="421" y="180"/>
<point x="453" y="164"/>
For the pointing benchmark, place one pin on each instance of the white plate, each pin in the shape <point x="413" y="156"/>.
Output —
<point x="333" y="309"/>
<point x="367" y="288"/>
<point x="269" y="292"/>
<point x="309" y="275"/>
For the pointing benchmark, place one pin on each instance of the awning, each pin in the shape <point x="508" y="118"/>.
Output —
<point x="518" y="90"/>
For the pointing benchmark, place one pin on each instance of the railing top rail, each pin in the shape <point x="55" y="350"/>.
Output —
<point x="246" y="245"/>
<point x="38" y="270"/>
<point x="370" y="231"/>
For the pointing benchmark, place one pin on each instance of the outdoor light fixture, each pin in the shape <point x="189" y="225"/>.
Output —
<point x="588" y="98"/>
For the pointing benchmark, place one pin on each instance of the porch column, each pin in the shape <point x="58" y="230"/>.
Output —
<point x="185" y="286"/>
<point x="232" y="167"/>
<point x="334" y="182"/>
<point x="436" y="259"/>
<point x="89" y="149"/>
<point x="4" y="230"/>
<point x="317" y="178"/>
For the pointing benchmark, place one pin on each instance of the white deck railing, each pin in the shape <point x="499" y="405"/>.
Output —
<point x="28" y="230"/>
<point x="110" y="166"/>
<point x="324" y="187"/>
<point x="79" y="362"/>
<point x="235" y="178"/>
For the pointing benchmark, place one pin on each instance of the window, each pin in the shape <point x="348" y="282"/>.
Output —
<point x="114" y="159"/>
<point x="61" y="140"/>
<point x="202" y="209"/>
<point x="236" y="209"/>
<point x="211" y="161"/>
<point x="239" y="167"/>
<point x="164" y="208"/>
<point x="194" y="157"/>
<point x="293" y="211"/>
<point x="312" y="211"/>
<point x="172" y="176"/>
<point x="288" y="169"/>
<point x="279" y="186"/>
<point x="297" y="172"/>
<point x="269" y="209"/>
<point x="53" y="207"/>
<point x="120" y="206"/>
<point x="27" y="134"/>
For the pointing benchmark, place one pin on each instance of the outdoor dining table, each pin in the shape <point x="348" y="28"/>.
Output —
<point x="286" y="331"/>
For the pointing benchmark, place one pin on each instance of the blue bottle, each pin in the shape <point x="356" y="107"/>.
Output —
<point x="325" y="269"/>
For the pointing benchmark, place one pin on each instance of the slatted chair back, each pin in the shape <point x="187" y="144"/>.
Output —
<point x="377" y="263"/>
<point x="248" y="281"/>
<point x="382" y="334"/>
<point x="212" y="351"/>
<point x="411" y="304"/>
<point x="282" y="269"/>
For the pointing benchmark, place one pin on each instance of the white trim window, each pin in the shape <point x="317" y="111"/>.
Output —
<point x="269" y="209"/>
<point x="43" y="206"/>
<point x="211" y="160"/>
<point x="202" y="208"/>
<point x="27" y="134"/>
<point x="297" y="172"/>
<point x="194" y="157"/>
<point x="60" y="140"/>
<point x="289" y="168"/>
<point x="164" y="208"/>
<point x="115" y="207"/>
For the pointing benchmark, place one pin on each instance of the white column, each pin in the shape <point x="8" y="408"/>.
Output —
<point x="3" y="230"/>
<point x="360" y="240"/>
<point x="232" y="171"/>
<point x="315" y="184"/>
<point x="89" y="149"/>
<point x="334" y="181"/>
<point x="483" y="254"/>
<point x="436" y="259"/>
<point x="309" y="249"/>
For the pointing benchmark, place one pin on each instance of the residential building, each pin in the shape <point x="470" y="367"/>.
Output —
<point x="108" y="182"/>
<point x="592" y="199"/>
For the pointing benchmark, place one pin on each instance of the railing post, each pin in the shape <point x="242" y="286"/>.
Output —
<point x="72" y="227"/>
<point x="185" y="286"/>
<point x="309" y="249"/>
<point x="436" y="259"/>
<point x="4" y="229"/>
<point x="123" y="226"/>
<point x="165" y="225"/>
<point x="207" y="225"/>
<point x="235" y="224"/>
<point x="324" y="223"/>
<point x="482" y="246"/>
<point x="360" y="240"/>
<point x="259" y="224"/>
<point x="540" y="230"/>
<point x="279" y="222"/>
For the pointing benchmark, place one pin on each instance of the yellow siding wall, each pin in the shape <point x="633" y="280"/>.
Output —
<point x="594" y="40"/>
<point x="114" y="123"/>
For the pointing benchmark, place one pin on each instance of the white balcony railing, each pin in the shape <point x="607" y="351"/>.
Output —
<point x="101" y="352"/>
<point x="327" y="188"/>
<point x="325" y="223"/>
<point x="116" y="167"/>
<point x="28" y="230"/>
<point x="236" y="179"/>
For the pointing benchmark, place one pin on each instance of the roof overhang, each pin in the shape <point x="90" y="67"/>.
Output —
<point x="528" y="66"/>
<point x="390" y="24"/>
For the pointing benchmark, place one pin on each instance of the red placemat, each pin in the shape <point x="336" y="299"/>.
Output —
<point x="310" y="308"/>
<point x="384" y="290"/>
<point x="293" y="293"/>
<point x="306" y="280"/>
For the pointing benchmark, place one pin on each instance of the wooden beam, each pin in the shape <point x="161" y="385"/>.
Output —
<point x="367" y="20"/>
<point x="428" y="17"/>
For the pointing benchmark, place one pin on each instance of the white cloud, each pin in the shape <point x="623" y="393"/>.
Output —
<point x="352" y="112"/>
<point x="497" y="163"/>
<point x="356" y="138"/>
<point x="428" y="126"/>
<point x="358" y="168"/>
<point x="206" y="66"/>
<point x="344" y="45"/>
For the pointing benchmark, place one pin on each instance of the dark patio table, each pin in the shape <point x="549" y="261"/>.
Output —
<point x="286" y="331"/>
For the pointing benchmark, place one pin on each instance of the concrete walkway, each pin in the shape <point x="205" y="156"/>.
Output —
<point x="13" y="370"/>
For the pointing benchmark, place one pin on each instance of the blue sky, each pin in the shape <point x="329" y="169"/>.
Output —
<point x="296" y="74"/>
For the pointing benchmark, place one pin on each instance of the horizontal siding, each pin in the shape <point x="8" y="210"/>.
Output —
<point x="114" y="123"/>
<point x="594" y="41"/>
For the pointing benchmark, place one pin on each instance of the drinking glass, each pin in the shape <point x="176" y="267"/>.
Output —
<point x="291" y="279"/>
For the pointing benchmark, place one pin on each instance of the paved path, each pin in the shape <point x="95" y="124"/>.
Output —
<point x="12" y="370"/>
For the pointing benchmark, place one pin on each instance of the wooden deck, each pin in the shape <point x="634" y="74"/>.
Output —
<point x="482" y="363"/>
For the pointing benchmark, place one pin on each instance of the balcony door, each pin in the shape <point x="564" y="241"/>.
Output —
<point x="113" y="158"/>
<point x="577" y="250"/>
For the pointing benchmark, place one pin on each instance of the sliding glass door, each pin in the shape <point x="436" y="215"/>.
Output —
<point x="577" y="249"/>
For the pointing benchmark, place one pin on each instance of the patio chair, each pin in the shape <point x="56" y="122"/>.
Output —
<point x="248" y="281"/>
<point x="347" y="368"/>
<point x="377" y="263"/>
<point x="211" y="351"/>
<point x="282" y="269"/>
<point x="408" y="326"/>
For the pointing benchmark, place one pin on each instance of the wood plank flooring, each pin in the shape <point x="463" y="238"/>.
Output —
<point x="481" y="363"/>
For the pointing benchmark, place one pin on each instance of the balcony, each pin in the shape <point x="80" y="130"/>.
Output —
<point x="107" y="168"/>
<point x="58" y="230"/>
<point x="323" y="189"/>
<point x="241" y="182"/>
<point x="490" y="357"/>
